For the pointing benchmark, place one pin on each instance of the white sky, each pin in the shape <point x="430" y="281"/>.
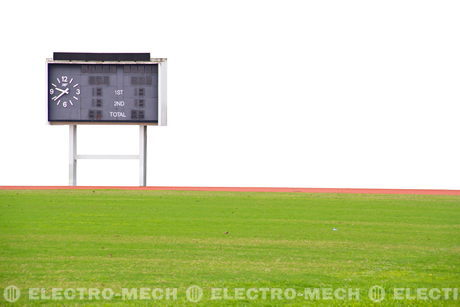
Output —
<point x="260" y="93"/>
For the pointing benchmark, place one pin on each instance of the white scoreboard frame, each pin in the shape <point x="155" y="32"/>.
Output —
<point x="162" y="91"/>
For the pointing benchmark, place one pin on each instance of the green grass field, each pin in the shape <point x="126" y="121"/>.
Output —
<point x="133" y="239"/>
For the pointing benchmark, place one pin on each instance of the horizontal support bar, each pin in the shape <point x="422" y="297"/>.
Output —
<point x="107" y="156"/>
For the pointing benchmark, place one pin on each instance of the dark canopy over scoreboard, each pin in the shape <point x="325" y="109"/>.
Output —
<point x="117" y="88"/>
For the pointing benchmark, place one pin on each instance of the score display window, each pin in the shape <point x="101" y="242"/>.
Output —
<point x="110" y="93"/>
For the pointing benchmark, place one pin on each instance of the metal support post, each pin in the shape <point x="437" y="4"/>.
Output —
<point x="72" y="155"/>
<point x="142" y="156"/>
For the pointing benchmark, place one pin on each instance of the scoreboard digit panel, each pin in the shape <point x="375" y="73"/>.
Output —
<point x="103" y="92"/>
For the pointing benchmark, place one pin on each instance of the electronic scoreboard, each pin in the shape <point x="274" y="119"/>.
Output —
<point x="113" y="88"/>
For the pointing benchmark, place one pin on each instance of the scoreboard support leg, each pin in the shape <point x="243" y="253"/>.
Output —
<point x="72" y="155"/>
<point x="142" y="156"/>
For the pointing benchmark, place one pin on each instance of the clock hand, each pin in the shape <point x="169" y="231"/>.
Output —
<point x="63" y="92"/>
<point x="57" y="88"/>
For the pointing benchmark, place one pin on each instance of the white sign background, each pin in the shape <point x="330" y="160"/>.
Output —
<point x="260" y="93"/>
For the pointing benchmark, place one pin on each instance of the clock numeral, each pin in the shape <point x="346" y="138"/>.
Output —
<point x="64" y="104"/>
<point x="51" y="91"/>
<point x="64" y="78"/>
<point x="78" y="91"/>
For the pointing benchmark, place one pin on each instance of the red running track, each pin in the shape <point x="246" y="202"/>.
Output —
<point x="246" y="189"/>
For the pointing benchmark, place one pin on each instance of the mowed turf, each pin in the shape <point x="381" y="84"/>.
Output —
<point x="132" y="239"/>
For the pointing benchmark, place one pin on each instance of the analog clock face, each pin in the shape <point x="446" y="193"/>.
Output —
<point x="65" y="91"/>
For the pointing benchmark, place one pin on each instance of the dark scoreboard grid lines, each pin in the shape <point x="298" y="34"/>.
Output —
<point x="99" y="82"/>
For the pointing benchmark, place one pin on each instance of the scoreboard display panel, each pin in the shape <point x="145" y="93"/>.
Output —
<point x="116" y="92"/>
